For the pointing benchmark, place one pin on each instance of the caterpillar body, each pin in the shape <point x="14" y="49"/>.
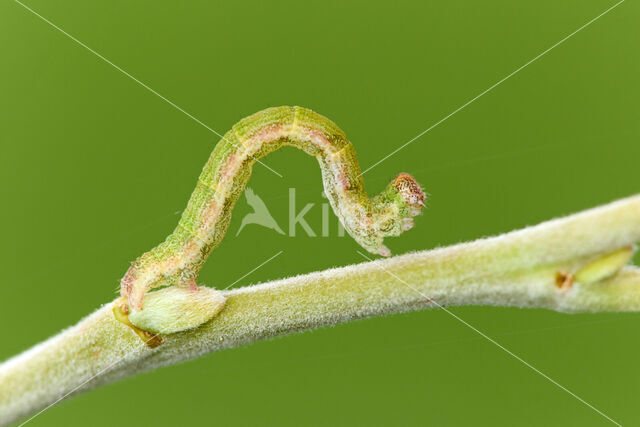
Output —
<point x="203" y="224"/>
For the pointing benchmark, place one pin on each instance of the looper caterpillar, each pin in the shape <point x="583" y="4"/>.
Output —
<point x="178" y="259"/>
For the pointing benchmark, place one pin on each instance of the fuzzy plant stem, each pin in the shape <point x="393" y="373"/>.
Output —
<point x="573" y="264"/>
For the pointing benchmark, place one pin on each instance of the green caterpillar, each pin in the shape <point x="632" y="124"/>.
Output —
<point x="203" y="224"/>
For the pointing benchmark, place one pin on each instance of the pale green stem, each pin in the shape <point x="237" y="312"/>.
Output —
<point x="532" y="267"/>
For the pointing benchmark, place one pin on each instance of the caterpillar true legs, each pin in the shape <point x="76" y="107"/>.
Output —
<point x="178" y="259"/>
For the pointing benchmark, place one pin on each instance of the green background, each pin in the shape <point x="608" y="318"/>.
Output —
<point x="94" y="167"/>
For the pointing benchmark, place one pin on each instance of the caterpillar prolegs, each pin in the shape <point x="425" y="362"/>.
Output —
<point x="203" y="224"/>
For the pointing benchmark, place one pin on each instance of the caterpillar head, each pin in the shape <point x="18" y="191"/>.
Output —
<point x="411" y="192"/>
<point x="392" y="213"/>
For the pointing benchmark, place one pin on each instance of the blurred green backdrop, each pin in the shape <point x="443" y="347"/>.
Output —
<point x="94" y="168"/>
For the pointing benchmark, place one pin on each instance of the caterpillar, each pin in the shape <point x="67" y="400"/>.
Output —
<point x="203" y="224"/>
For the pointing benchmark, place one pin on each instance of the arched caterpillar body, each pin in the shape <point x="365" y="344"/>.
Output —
<point x="178" y="259"/>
